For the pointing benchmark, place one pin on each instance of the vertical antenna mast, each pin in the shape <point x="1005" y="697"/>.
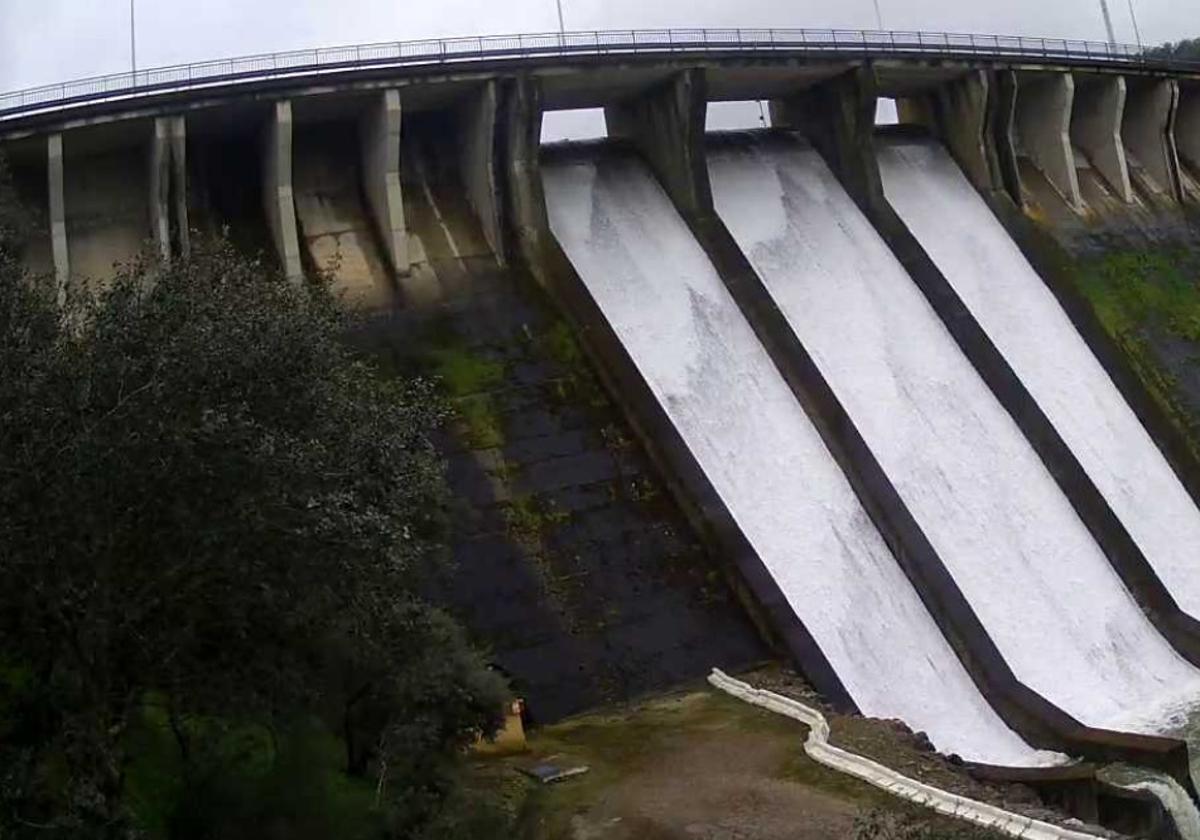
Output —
<point x="1108" y="25"/>
<point x="1136" y="29"/>
<point x="132" y="40"/>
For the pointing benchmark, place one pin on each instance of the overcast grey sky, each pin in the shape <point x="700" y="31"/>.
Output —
<point x="45" y="41"/>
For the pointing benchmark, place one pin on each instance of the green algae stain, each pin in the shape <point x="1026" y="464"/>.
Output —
<point x="1138" y="294"/>
<point x="1132" y="290"/>
<point x="465" y="373"/>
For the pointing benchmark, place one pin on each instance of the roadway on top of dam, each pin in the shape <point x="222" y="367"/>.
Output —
<point x="345" y="65"/>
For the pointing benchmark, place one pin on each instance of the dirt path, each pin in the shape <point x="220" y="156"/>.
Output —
<point x="699" y="766"/>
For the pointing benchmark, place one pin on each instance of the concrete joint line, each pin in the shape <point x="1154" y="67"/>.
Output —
<point x="818" y="748"/>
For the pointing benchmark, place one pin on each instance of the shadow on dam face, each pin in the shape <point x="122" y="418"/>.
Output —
<point x="568" y="560"/>
<point x="225" y="180"/>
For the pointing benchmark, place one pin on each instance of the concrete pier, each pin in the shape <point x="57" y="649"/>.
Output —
<point x="179" y="198"/>
<point x="1042" y="127"/>
<point x="1096" y="128"/>
<point x="160" y="187"/>
<point x="477" y="163"/>
<point x="278" y="193"/>
<point x="56" y="183"/>
<point x="666" y="124"/>
<point x="1146" y="132"/>
<point x="380" y="134"/>
<point x="956" y="112"/>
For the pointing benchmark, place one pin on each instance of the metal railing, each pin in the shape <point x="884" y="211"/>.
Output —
<point x="516" y="48"/>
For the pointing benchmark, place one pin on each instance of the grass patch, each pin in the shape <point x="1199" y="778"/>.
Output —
<point x="465" y="373"/>
<point x="639" y="742"/>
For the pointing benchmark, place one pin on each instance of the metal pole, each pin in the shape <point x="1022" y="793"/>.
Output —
<point x="1136" y="30"/>
<point x="878" y="17"/>
<point x="133" y="39"/>
<point x="562" y="29"/>
<point x="1112" y="37"/>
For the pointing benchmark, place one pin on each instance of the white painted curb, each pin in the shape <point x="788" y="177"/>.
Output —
<point x="818" y="748"/>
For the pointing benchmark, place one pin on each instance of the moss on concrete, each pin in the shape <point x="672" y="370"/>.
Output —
<point x="1144" y="298"/>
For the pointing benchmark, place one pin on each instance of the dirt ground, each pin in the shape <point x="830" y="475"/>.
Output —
<point x="695" y="766"/>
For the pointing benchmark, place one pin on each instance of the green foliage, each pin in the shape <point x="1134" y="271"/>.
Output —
<point x="214" y="523"/>
<point x="468" y="380"/>
<point x="1187" y="49"/>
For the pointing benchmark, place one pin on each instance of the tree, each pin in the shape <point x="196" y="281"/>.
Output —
<point x="1186" y="50"/>
<point x="210" y="507"/>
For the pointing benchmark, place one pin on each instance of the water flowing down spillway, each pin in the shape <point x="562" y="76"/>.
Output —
<point x="739" y="419"/>
<point x="1025" y="322"/>
<point x="1039" y="583"/>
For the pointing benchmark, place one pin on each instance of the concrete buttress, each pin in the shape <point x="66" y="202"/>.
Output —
<point x="666" y="123"/>
<point x="1146" y="131"/>
<point x="179" y="198"/>
<point x="957" y="114"/>
<point x="477" y="163"/>
<point x="1096" y="128"/>
<point x="1043" y="130"/>
<point x="380" y="134"/>
<point x="160" y="187"/>
<point x="278" y="195"/>
<point x="58" y="214"/>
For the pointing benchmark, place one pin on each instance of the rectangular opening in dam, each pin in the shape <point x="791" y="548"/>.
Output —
<point x="886" y="112"/>
<point x="575" y="124"/>
<point x="738" y="116"/>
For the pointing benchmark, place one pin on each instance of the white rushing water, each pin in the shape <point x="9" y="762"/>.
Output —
<point x="1025" y="322"/>
<point x="741" y="422"/>
<point x="1040" y="584"/>
<point x="1169" y="792"/>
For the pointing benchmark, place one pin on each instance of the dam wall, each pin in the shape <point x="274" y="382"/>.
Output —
<point x="711" y="392"/>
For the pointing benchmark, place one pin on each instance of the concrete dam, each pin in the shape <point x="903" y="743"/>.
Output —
<point x="806" y="388"/>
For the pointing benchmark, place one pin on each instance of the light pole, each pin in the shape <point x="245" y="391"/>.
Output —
<point x="878" y="17"/>
<point x="562" y="29"/>
<point x="1137" y="32"/>
<point x="133" y="39"/>
<point x="1112" y="37"/>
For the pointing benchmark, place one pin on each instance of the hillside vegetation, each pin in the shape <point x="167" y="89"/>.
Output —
<point x="215" y="523"/>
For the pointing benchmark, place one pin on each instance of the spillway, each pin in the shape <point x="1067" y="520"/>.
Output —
<point x="1040" y="584"/>
<point x="740" y="421"/>
<point x="1025" y="322"/>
